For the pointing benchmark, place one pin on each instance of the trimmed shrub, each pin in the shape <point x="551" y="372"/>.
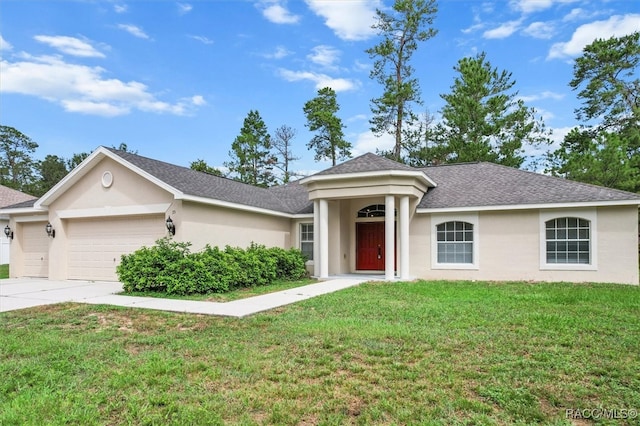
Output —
<point x="290" y="264"/>
<point x="170" y="267"/>
<point x="144" y="269"/>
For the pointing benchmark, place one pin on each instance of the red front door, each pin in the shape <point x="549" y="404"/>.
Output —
<point x="370" y="246"/>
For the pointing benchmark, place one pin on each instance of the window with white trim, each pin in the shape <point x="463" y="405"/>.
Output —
<point x="455" y="242"/>
<point x="306" y="240"/>
<point x="568" y="240"/>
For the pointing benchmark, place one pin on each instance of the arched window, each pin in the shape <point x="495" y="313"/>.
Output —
<point x="568" y="240"/>
<point x="455" y="242"/>
<point x="374" y="210"/>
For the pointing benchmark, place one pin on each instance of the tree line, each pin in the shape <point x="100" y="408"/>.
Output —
<point x="483" y="118"/>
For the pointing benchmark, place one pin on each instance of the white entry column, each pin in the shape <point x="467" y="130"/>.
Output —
<point x="316" y="238"/>
<point x="324" y="238"/>
<point x="404" y="237"/>
<point x="389" y="237"/>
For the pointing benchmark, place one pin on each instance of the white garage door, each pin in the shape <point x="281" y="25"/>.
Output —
<point x="35" y="246"/>
<point x="96" y="245"/>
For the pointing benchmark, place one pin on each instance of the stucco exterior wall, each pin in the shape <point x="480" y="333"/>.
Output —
<point x="509" y="248"/>
<point x="127" y="195"/>
<point x="203" y="224"/>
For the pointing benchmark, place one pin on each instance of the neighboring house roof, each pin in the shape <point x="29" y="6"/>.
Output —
<point x="9" y="196"/>
<point x="487" y="184"/>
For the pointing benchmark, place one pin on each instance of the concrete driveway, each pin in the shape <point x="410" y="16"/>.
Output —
<point x="19" y="293"/>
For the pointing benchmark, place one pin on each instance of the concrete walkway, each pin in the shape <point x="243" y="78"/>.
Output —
<point x="20" y="293"/>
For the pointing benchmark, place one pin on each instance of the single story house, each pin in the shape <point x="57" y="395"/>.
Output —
<point x="9" y="196"/>
<point x="474" y="221"/>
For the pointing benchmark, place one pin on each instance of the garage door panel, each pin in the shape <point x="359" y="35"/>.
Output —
<point x="96" y="245"/>
<point x="35" y="248"/>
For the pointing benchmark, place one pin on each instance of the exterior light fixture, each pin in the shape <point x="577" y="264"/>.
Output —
<point x="170" y="226"/>
<point x="8" y="232"/>
<point x="50" y="231"/>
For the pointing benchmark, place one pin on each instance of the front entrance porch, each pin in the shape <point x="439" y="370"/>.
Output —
<point x="345" y="242"/>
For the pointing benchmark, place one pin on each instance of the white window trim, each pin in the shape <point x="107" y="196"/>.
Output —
<point x="300" y="241"/>
<point x="437" y="219"/>
<point x="590" y="215"/>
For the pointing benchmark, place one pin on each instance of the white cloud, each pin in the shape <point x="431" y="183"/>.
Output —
<point x="615" y="26"/>
<point x="83" y="89"/>
<point x="4" y="44"/>
<point x="198" y="100"/>
<point x="368" y="142"/>
<point x="184" y="8"/>
<point x="543" y="95"/>
<point x="279" y="53"/>
<point x="70" y="45"/>
<point x="503" y="31"/>
<point x="349" y="20"/>
<point x="120" y="8"/>
<point x="275" y="12"/>
<point x="574" y="15"/>
<point x="530" y="6"/>
<point x="324" y="55"/>
<point x="134" y="30"/>
<point x="320" y="80"/>
<point x="541" y="30"/>
<point x="202" y="39"/>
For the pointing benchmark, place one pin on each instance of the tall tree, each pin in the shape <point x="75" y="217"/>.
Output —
<point x="76" y="159"/>
<point x="51" y="170"/>
<point x="408" y="24"/>
<point x="608" y="73"/>
<point x="606" y="159"/>
<point x="202" y="166"/>
<point x="281" y="142"/>
<point x="483" y="120"/>
<point x="329" y="142"/>
<point x="251" y="159"/>
<point x="606" y="150"/>
<point x="17" y="168"/>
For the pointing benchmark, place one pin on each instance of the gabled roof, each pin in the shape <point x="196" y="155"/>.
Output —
<point x="203" y="185"/>
<point x="365" y="163"/>
<point x="459" y="186"/>
<point x="487" y="184"/>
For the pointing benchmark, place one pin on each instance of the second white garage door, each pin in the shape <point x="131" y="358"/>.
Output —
<point x="96" y="245"/>
<point x="35" y="245"/>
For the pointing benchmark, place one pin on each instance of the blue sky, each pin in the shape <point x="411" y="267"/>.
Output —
<point x="175" y="80"/>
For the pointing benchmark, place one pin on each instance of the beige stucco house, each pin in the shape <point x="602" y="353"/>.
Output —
<point x="368" y="215"/>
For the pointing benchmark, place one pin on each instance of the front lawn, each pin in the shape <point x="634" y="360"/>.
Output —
<point x="381" y="353"/>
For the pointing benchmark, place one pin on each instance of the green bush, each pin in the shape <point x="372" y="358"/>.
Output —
<point x="144" y="270"/>
<point x="170" y="267"/>
<point x="290" y="264"/>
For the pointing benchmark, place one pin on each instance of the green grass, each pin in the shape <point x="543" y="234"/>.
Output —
<point x="4" y="271"/>
<point x="438" y="353"/>
<point x="241" y="293"/>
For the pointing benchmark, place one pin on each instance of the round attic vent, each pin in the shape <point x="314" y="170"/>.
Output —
<point x="107" y="179"/>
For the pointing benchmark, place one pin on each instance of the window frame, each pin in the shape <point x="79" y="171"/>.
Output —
<point x="301" y="240"/>
<point x="588" y="215"/>
<point x="438" y="219"/>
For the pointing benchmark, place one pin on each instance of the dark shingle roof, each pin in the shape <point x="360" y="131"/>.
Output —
<point x="365" y="163"/>
<point x="487" y="184"/>
<point x="458" y="185"/>
<point x="204" y="185"/>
